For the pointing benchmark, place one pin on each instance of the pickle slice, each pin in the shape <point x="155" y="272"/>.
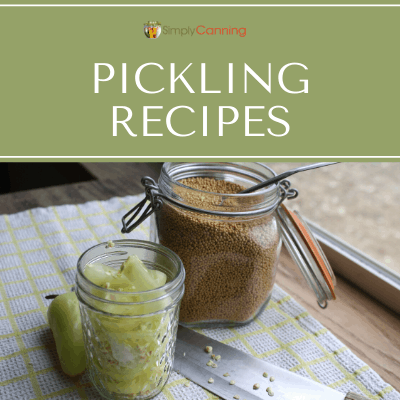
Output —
<point x="100" y="274"/>
<point x="133" y="276"/>
<point x="142" y="278"/>
<point x="159" y="278"/>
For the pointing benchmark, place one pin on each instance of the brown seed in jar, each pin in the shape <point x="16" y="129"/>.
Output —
<point x="230" y="264"/>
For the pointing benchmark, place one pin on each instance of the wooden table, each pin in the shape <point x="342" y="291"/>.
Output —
<point x="368" y="328"/>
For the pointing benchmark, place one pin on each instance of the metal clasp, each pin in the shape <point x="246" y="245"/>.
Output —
<point x="136" y="216"/>
<point x="286" y="192"/>
<point x="153" y="196"/>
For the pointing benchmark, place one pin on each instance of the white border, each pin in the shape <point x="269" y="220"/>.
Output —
<point x="162" y="157"/>
<point x="199" y="5"/>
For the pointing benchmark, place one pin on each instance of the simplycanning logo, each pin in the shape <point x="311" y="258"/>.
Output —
<point x="204" y="30"/>
<point x="152" y="29"/>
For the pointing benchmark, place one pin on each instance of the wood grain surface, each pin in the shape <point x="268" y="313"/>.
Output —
<point x="365" y="326"/>
<point x="368" y="328"/>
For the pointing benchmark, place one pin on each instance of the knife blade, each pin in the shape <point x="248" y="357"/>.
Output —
<point x="245" y="370"/>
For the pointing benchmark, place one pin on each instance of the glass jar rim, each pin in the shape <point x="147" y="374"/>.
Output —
<point x="165" y="290"/>
<point x="268" y="189"/>
<point x="270" y="195"/>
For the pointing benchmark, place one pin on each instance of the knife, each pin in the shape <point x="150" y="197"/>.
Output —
<point x="245" y="370"/>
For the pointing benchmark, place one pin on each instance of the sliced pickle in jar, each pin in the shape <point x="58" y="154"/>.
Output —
<point x="140" y="276"/>
<point x="100" y="274"/>
<point x="131" y="278"/>
<point x="129" y="349"/>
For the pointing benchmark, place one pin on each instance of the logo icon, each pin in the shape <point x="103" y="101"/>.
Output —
<point x="152" y="29"/>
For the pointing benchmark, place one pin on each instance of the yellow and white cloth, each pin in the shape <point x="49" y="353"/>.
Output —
<point x="39" y="249"/>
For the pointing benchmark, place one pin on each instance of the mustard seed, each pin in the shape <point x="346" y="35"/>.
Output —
<point x="230" y="262"/>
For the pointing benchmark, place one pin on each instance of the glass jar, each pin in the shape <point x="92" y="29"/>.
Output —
<point x="130" y="337"/>
<point x="229" y="242"/>
<point x="230" y="248"/>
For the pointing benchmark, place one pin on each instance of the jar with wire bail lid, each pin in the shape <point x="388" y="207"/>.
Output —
<point x="229" y="242"/>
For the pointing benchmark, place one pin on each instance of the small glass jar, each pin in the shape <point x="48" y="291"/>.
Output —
<point x="130" y="337"/>
<point x="229" y="246"/>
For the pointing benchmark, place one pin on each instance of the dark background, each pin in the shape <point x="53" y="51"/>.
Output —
<point x="16" y="177"/>
<point x="28" y="185"/>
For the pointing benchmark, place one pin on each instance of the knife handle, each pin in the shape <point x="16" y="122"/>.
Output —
<point x="354" y="396"/>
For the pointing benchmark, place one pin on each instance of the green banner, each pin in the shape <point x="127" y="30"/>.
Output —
<point x="185" y="82"/>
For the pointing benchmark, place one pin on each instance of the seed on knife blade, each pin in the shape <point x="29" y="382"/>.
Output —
<point x="272" y="379"/>
<point x="232" y="382"/>
<point x="256" y="386"/>
<point x="236" y="396"/>
<point x="217" y="358"/>
<point x="208" y="349"/>
<point x="226" y="374"/>
<point x="214" y="365"/>
<point x="265" y="375"/>
<point x="211" y="380"/>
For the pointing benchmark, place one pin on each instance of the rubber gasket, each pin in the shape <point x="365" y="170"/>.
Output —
<point x="310" y="243"/>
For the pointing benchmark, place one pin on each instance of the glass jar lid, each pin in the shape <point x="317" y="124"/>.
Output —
<point x="308" y="255"/>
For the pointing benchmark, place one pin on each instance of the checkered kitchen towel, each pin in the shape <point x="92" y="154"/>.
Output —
<point x="39" y="249"/>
